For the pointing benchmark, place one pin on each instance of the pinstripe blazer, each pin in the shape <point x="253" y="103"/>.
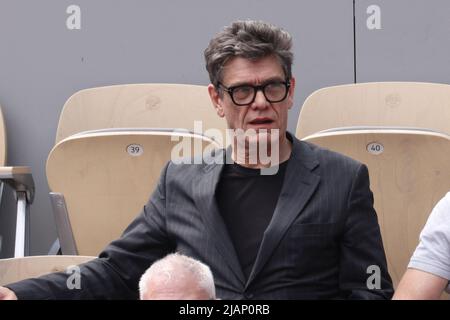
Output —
<point x="319" y="244"/>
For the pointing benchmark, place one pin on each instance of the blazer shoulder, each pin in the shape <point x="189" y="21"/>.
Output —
<point x="175" y="169"/>
<point x="194" y="165"/>
<point x="329" y="158"/>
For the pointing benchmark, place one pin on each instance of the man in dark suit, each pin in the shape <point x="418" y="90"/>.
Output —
<point x="308" y="231"/>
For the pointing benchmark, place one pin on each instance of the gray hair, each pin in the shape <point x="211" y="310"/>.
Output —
<point x="251" y="40"/>
<point x="175" y="266"/>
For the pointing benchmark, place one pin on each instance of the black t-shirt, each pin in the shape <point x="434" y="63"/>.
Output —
<point x="247" y="201"/>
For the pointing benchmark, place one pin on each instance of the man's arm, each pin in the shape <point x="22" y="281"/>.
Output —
<point x="428" y="271"/>
<point x="115" y="274"/>
<point x="363" y="264"/>
<point x="420" y="285"/>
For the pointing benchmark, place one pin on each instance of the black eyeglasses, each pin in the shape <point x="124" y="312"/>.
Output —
<point x="274" y="91"/>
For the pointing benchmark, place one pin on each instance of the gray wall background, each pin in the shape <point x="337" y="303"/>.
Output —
<point x="42" y="63"/>
<point x="412" y="45"/>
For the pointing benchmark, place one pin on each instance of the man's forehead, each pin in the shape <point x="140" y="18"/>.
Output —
<point x="242" y="70"/>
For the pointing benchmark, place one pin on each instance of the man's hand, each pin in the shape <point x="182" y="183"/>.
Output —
<point x="6" y="294"/>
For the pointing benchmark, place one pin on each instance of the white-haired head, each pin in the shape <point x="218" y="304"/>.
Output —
<point x="177" y="277"/>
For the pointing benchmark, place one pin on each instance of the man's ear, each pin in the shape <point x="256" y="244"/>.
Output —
<point x="216" y="100"/>
<point x="291" y="93"/>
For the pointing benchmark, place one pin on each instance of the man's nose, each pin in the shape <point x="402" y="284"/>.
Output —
<point x="260" y="100"/>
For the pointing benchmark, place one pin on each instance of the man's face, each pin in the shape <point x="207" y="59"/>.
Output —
<point x="260" y="114"/>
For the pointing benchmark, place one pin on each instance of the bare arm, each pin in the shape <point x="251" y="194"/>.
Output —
<point x="420" y="285"/>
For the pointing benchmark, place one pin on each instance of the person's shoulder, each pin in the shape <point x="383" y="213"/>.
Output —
<point x="326" y="157"/>
<point x="446" y="201"/>
<point x="180" y="167"/>
<point x="441" y="212"/>
<point x="334" y="168"/>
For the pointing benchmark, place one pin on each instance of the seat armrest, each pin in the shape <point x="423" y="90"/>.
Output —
<point x="20" y="179"/>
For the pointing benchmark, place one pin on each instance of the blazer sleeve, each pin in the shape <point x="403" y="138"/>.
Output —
<point x="116" y="272"/>
<point x="363" y="265"/>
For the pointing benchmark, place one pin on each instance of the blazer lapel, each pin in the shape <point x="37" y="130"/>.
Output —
<point x="204" y="195"/>
<point x="298" y="186"/>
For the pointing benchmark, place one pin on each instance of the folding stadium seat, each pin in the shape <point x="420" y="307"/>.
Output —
<point x="125" y="110"/>
<point x="392" y="104"/>
<point x="111" y="145"/>
<point x="139" y="106"/>
<point x="101" y="180"/>
<point x="409" y="172"/>
<point x="21" y="182"/>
